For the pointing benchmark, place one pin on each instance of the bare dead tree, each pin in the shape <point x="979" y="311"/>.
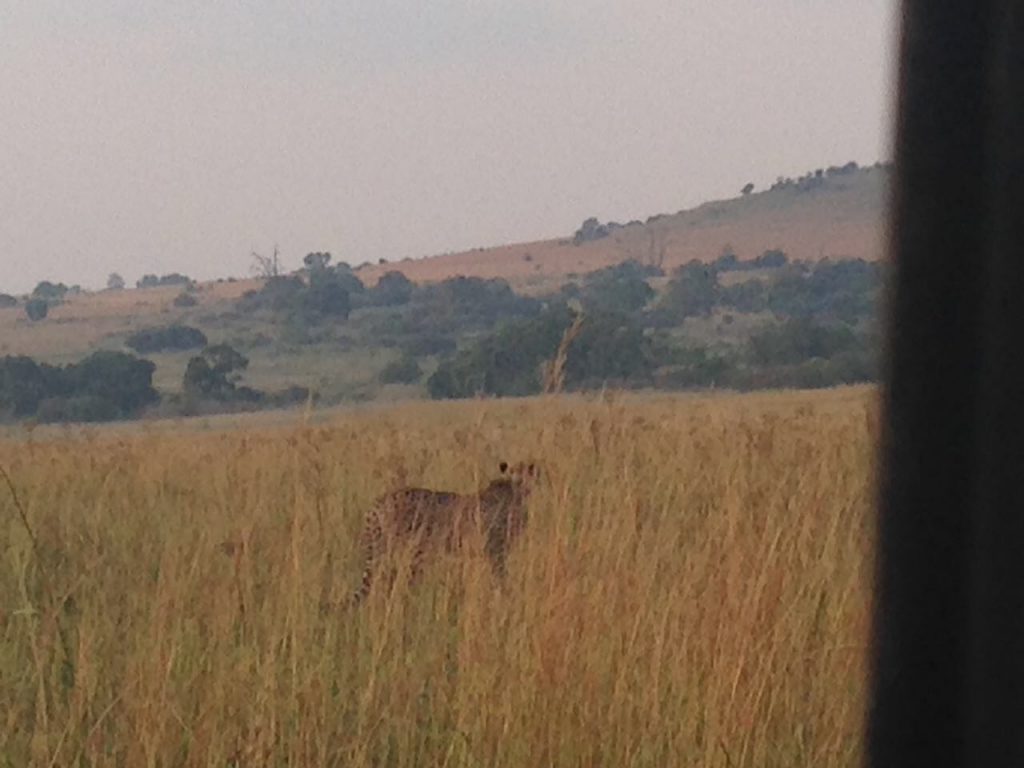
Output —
<point x="266" y="266"/>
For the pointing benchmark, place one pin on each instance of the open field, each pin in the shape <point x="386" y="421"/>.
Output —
<point x="693" y="589"/>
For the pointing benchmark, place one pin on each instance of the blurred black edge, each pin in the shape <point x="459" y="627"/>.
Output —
<point x="947" y="663"/>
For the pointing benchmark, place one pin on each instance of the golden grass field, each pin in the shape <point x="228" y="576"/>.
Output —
<point x="693" y="590"/>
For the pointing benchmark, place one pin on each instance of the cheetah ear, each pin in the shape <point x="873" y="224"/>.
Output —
<point x="503" y="467"/>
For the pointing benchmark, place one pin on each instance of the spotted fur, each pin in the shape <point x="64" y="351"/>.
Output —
<point x="439" y="520"/>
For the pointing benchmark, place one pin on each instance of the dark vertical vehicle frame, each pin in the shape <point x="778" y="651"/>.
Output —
<point x="947" y="683"/>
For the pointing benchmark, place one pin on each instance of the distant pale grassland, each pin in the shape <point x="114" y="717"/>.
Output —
<point x="693" y="590"/>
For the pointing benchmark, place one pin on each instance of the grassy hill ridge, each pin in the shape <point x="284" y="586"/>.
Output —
<point x="837" y="215"/>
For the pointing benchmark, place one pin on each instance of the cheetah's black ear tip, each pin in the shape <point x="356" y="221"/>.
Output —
<point x="503" y="467"/>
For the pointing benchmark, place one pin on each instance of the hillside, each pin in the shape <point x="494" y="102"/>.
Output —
<point x="673" y="328"/>
<point x="839" y="216"/>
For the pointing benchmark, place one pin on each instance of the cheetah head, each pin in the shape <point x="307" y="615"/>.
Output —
<point x="523" y="475"/>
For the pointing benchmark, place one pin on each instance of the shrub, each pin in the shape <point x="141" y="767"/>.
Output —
<point x="152" y="281"/>
<point x="209" y="375"/>
<point x="692" y="291"/>
<point x="393" y="289"/>
<point x="49" y="291"/>
<point x="278" y="294"/>
<point x="610" y="347"/>
<point x="123" y="379"/>
<point x="797" y="340"/>
<point x="405" y="370"/>
<point x="37" y="309"/>
<point x="83" y="408"/>
<point x="771" y="259"/>
<point x="292" y="395"/>
<point x="185" y="300"/>
<point x="747" y="296"/>
<point x="326" y="296"/>
<point x="466" y="303"/>
<point x="428" y="343"/>
<point x="104" y="385"/>
<point x="6" y="301"/>
<point x="591" y="230"/>
<point x="171" y="338"/>
<point x="621" y="288"/>
<point x="24" y="383"/>
<point x="694" y="367"/>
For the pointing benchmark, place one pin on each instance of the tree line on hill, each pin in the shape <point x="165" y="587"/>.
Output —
<point x="815" y="329"/>
<point x="806" y="325"/>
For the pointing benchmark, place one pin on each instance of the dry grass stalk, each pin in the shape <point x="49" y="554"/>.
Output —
<point x="554" y="370"/>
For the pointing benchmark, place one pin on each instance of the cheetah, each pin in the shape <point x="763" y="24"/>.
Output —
<point x="432" y="520"/>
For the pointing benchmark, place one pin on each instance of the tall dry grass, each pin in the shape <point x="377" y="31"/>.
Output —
<point x="692" y="590"/>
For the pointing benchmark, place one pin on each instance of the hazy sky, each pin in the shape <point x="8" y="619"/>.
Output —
<point x="185" y="135"/>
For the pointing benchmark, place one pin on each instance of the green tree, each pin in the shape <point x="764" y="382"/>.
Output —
<point x="224" y="358"/>
<point x="393" y="289"/>
<point x="49" y="291"/>
<point x="692" y="291"/>
<point x="316" y="261"/>
<point x="212" y="375"/>
<point x="621" y="288"/>
<point x="169" y="338"/>
<point x="799" y="339"/>
<point x="610" y="347"/>
<point x="24" y="383"/>
<point x="121" y="378"/>
<point x="326" y="296"/>
<point x="37" y="309"/>
<point x="405" y="370"/>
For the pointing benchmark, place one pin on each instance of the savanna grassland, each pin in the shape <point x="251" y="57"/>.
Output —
<point x="693" y="589"/>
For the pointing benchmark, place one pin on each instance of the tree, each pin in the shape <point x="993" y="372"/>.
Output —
<point x="799" y="340"/>
<point x="105" y="385"/>
<point x="405" y="370"/>
<point x="393" y="289"/>
<point x="316" y="261"/>
<point x="266" y="266"/>
<point x="6" y="300"/>
<point x="202" y="381"/>
<point x="591" y="229"/>
<point x="209" y="375"/>
<point x="49" y="291"/>
<point x="727" y="259"/>
<point x="621" y="288"/>
<point x="115" y="282"/>
<point x="747" y="189"/>
<point x="693" y="291"/>
<point x="772" y="259"/>
<point x="37" y="309"/>
<point x="509" y="362"/>
<point x="169" y="338"/>
<point x="121" y="378"/>
<point x="326" y="295"/>
<point x="348" y="280"/>
<point x="225" y="359"/>
<point x="24" y="383"/>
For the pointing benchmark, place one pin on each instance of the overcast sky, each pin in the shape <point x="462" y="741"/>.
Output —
<point x="182" y="136"/>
